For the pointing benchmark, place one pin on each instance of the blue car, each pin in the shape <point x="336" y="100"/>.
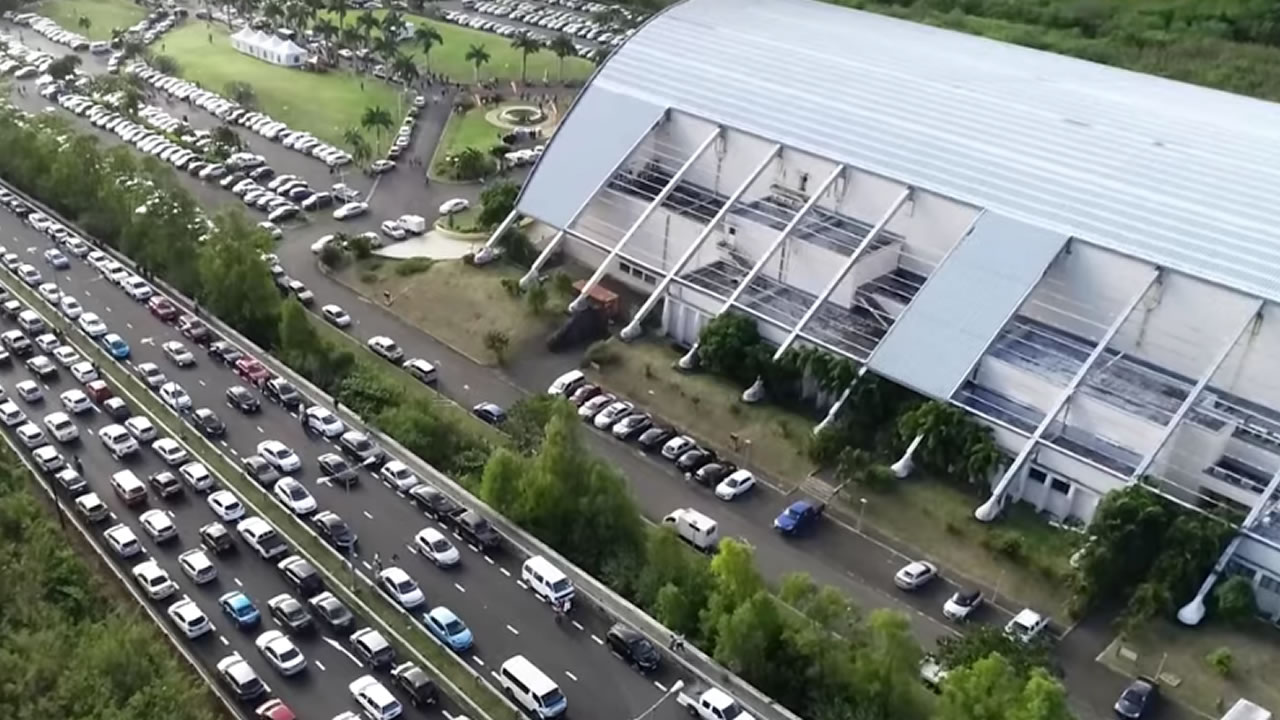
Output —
<point x="452" y="632"/>
<point x="237" y="606"/>
<point x="116" y="345"/>
<point x="798" y="517"/>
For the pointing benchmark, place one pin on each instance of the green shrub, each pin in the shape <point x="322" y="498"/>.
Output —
<point x="369" y="278"/>
<point x="413" y="266"/>
<point x="602" y="353"/>
<point x="1234" y="600"/>
<point x="1220" y="661"/>
<point x="512" y="286"/>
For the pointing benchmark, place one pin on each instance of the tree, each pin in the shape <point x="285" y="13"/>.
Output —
<point x="562" y="47"/>
<point x="404" y="69"/>
<point x="496" y="203"/>
<point x="271" y="10"/>
<point x="527" y="421"/>
<point x="224" y="135"/>
<point x="340" y="7"/>
<point x="749" y="640"/>
<point x="326" y="29"/>
<point x="497" y="342"/>
<point x="236" y="285"/>
<point x="736" y="581"/>
<point x="242" y="93"/>
<point x="470" y="164"/>
<point x="386" y="47"/>
<point x="1234" y="601"/>
<point x="500" y="484"/>
<point x="860" y="469"/>
<point x="166" y="65"/>
<point x="477" y="55"/>
<point x="64" y="66"/>
<point x="393" y="25"/>
<point x="957" y="651"/>
<point x="84" y="22"/>
<point x="427" y="38"/>
<point x="361" y="152"/>
<point x="527" y="45"/>
<point x="333" y="255"/>
<point x="377" y="119"/>
<point x="955" y="446"/>
<point x="991" y="689"/>
<point x="727" y="346"/>
<point x="887" y="668"/>
<point x="366" y="23"/>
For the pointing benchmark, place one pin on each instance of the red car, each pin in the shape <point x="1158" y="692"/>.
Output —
<point x="274" y="710"/>
<point x="252" y="371"/>
<point x="194" y="329"/>
<point x="162" y="307"/>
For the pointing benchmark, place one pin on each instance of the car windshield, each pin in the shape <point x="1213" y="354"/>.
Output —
<point x="561" y="585"/>
<point x="453" y="627"/>
<point x="406" y="586"/>
<point x="795" y="512"/>
<point x="289" y="655"/>
<point x="1132" y="696"/>
<point x="440" y="545"/>
<point x="555" y="697"/>
<point x="297" y="492"/>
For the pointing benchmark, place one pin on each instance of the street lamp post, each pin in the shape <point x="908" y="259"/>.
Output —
<point x="675" y="688"/>
<point x="862" y="510"/>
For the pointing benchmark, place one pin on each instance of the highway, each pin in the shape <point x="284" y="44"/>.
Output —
<point x="484" y="591"/>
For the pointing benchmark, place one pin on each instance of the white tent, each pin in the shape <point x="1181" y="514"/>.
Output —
<point x="270" y="48"/>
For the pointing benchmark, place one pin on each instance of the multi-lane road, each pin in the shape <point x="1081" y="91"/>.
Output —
<point x="484" y="591"/>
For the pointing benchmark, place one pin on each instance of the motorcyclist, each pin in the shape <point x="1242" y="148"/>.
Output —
<point x="561" y="608"/>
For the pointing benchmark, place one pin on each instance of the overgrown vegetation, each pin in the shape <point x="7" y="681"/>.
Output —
<point x="54" y="608"/>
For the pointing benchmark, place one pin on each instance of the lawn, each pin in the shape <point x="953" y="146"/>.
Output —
<point x="454" y="302"/>
<point x="464" y="130"/>
<point x="104" y="15"/>
<point x="1178" y="654"/>
<point x="324" y="104"/>
<point x="449" y="57"/>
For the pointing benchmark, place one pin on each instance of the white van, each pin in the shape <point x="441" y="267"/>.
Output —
<point x="567" y="383"/>
<point x="128" y="487"/>
<point x="546" y="580"/>
<point x="99" y="48"/>
<point x="31" y="322"/>
<point x="531" y="689"/>
<point x="694" y="528"/>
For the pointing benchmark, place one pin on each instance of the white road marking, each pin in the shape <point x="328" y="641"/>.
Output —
<point x="578" y="625"/>
<point x="513" y="630"/>
<point x="224" y="443"/>
<point x="320" y="665"/>
<point x="571" y="676"/>
<point x="660" y="686"/>
<point x="597" y="639"/>
<point x="366" y="514"/>
<point x="223" y="640"/>
<point x="367" y="566"/>
<point x="473" y="547"/>
<point x="460" y="588"/>
<point x="522" y="585"/>
<point x="338" y="646"/>
<point x="478" y="660"/>
<point x="260" y="429"/>
<point x="503" y="570"/>
<point x="202" y="383"/>
<point x="233" y="452"/>
<point x="108" y="309"/>
<point x="488" y="559"/>
<point x="447" y="715"/>
<point x="238" y="583"/>
<point x="411" y="548"/>
<point x="129" y="325"/>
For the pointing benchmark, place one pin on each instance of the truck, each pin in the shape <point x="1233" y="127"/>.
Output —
<point x="415" y="224"/>
<point x="712" y="704"/>
<point x="694" y="528"/>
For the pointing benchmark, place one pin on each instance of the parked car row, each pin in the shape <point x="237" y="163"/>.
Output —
<point x="21" y="61"/>
<point x="51" y="30"/>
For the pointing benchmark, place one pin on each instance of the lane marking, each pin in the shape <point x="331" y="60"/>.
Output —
<point x="460" y="588"/>
<point x="238" y="583"/>
<point x="660" y="686"/>
<point x="513" y="630"/>
<point x="367" y="566"/>
<point x="224" y="640"/>
<point x="478" y="660"/>
<point x="488" y="559"/>
<point x="366" y="514"/>
<point x="503" y="570"/>
<point x="260" y="429"/>
<point x="578" y="625"/>
<point x="320" y="665"/>
<point x="338" y="646"/>
<point x="571" y="676"/>
<point x="597" y="639"/>
<point x="522" y="585"/>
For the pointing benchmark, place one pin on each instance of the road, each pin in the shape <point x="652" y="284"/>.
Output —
<point x="854" y="562"/>
<point x="484" y="591"/>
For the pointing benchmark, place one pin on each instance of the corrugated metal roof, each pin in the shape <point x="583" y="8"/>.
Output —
<point x="1182" y="176"/>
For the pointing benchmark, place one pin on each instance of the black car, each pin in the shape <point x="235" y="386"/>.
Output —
<point x="330" y="611"/>
<point x="194" y="329"/>
<point x="165" y="484"/>
<point x="357" y="446"/>
<point x="490" y="413"/>
<point x="299" y="194"/>
<point x="301" y="576"/>
<point x="116" y="409"/>
<point x="415" y="684"/>
<point x="259" y="470"/>
<point x="240" y="398"/>
<point x="654" y="438"/>
<point x="263" y="172"/>
<point x="712" y="473"/>
<point x="694" y="459"/>
<point x="477" y="531"/>
<point x="281" y="391"/>
<point x="216" y="538"/>
<point x="631" y="426"/>
<point x="432" y="501"/>
<point x="369" y="645"/>
<point x="230" y="181"/>
<point x="334" y="467"/>
<point x="208" y="423"/>
<point x="334" y="530"/>
<point x="629" y="644"/>
<point x="225" y="353"/>
<point x="1139" y="699"/>
<point x="290" y="614"/>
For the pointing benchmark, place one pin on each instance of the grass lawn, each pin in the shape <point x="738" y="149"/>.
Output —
<point x="324" y="104"/>
<point x="464" y="130"/>
<point x="933" y="516"/>
<point x="104" y="15"/>
<point x="452" y="301"/>
<point x="449" y="57"/>
<point x="1178" y="654"/>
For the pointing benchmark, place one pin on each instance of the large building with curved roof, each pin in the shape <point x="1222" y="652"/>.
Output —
<point x="1085" y="258"/>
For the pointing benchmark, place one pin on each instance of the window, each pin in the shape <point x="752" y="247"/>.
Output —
<point x="1060" y="486"/>
<point x="804" y="182"/>
<point x="1270" y="584"/>
<point x="635" y="272"/>
<point x="1036" y="475"/>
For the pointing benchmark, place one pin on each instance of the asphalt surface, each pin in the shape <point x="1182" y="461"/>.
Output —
<point x="857" y="563"/>
<point x="484" y="591"/>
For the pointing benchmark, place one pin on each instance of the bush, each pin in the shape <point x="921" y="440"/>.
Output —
<point x="497" y="342"/>
<point x="512" y="286"/>
<point x="1220" y="661"/>
<point x="413" y="266"/>
<point x="602" y="353"/>
<point x="360" y="247"/>
<point x="536" y="298"/>
<point x="1235" y="601"/>
<point x="1006" y="544"/>
<point x="332" y="256"/>
<point x="369" y="278"/>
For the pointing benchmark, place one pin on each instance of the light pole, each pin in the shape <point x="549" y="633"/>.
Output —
<point x="862" y="510"/>
<point x="675" y="688"/>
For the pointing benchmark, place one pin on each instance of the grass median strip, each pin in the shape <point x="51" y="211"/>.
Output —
<point x="447" y="663"/>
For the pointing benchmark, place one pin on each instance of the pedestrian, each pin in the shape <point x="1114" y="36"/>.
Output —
<point x="395" y="558"/>
<point x="377" y="562"/>
<point x="386" y="297"/>
<point x="210" y="38"/>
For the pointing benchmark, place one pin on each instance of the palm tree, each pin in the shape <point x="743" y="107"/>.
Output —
<point x="325" y="28"/>
<point x="340" y="7"/>
<point x="360" y="150"/>
<point x="349" y="36"/>
<point x="427" y="37"/>
<point x="64" y="66"/>
<point x="562" y="45"/>
<point x="272" y="10"/>
<point x="386" y="47"/>
<point x="404" y="69"/>
<point x="527" y="45"/>
<point x="600" y="54"/>
<point x="84" y="22"/>
<point x="477" y="55"/>
<point x="377" y="119"/>
<point x="295" y="16"/>
<point x="366" y="23"/>
<point x="393" y="24"/>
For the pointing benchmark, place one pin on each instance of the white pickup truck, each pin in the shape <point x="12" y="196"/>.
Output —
<point x="713" y="704"/>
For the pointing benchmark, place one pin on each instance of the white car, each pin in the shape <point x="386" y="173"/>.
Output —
<point x="178" y="353"/>
<point x="611" y="414"/>
<point x="84" y="372"/>
<point x="153" y="580"/>
<point x="456" y="205"/>
<point x="28" y="390"/>
<point x="402" y="588"/>
<point x="677" y="446"/>
<point x="376" y="701"/>
<point x="393" y="229"/>
<point x="962" y="604"/>
<point x="320" y="420"/>
<point x="294" y="496"/>
<point x="91" y="507"/>
<point x="48" y="458"/>
<point x="118" y="441"/>
<point x="433" y="546"/>
<point x="70" y="307"/>
<point x="385" y="348"/>
<point x="915" y="575"/>
<point x="399" y="476"/>
<point x="279" y="456"/>
<point x="350" y="210"/>
<point x="137" y="288"/>
<point x="122" y="540"/>
<point x="60" y="427"/>
<point x="140" y="428"/>
<point x="738" y="483"/>
<point x="75" y="402"/>
<point x="189" y="618"/>
<point x="30" y="275"/>
<point x="226" y="506"/>
<point x="50" y="293"/>
<point x="151" y="375"/>
<point x="169" y="451"/>
<point x="1026" y="625"/>
<point x="197" y="566"/>
<point x="280" y="651"/>
<point x="11" y="414"/>
<point x="197" y="476"/>
<point x="158" y="525"/>
<point x="336" y="316"/>
<point x="271" y="229"/>
<point x="92" y="325"/>
<point x="175" y="397"/>
<point x="66" y="355"/>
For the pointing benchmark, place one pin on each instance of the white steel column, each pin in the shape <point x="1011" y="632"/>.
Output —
<point x="1190" y="400"/>
<point x="988" y="510"/>
<point x="532" y="275"/>
<point x="502" y="228"/>
<point x="690" y="358"/>
<point x="580" y="301"/>
<point x="632" y="330"/>
<point x="844" y="270"/>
